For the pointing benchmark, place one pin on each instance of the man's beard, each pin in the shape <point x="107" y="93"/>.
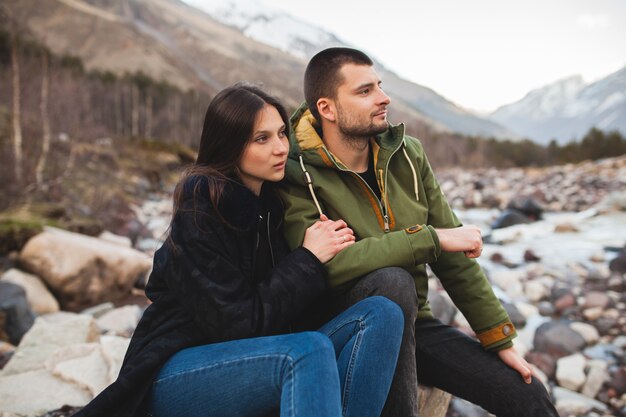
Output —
<point x="356" y="134"/>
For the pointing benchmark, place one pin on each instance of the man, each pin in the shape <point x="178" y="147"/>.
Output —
<point x="348" y="163"/>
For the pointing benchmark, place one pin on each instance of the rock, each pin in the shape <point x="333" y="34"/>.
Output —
<point x="117" y="239"/>
<point x="510" y="218"/>
<point x="517" y="318"/>
<point x="530" y="256"/>
<point x="89" y="371"/>
<point x="572" y="402"/>
<point x="544" y="362"/>
<point x="45" y="392"/>
<point x="39" y="298"/>
<point x="16" y="316"/>
<point x="618" y="381"/>
<point x="570" y="371"/>
<point x="48" y="334"/>
<point x="598" y="257"/>
<point x="82" y="270"/>
<point x="558" y="339"/>
<point x="510" y="281"/>
<point x="618" y="264"/>
<point x="620" y="342"/>
<point x="596" y="299"/>
<point x="565" y="228"/>
<point x="593" y="313"/>
<point x="113" y="350"/>
<point x="546" y="308"/>
<point x="527" y="310"/>
<point x="121" y="321"/>
<point x="98" y="310"/>
<point x="596" y="377"/>
<point x="461" y="407"/>
<point x="564" y="302"/>
<point x="535" y="291"/>
<point x="442" y="306"/>
<point x="587" y="331"/>
<point x="604" y="352"/>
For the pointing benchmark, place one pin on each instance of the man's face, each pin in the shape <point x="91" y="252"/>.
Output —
<point x="361" y="103"/>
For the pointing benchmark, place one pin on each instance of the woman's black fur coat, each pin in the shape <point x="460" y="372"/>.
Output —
<point x="204" y="290"/>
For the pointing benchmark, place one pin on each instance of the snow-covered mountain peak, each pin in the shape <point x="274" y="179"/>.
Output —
<point x="269" y="25"/>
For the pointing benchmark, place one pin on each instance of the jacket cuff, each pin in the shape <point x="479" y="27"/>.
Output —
<point x="435" y="237"/>
<point x="497" y="337"/>
<point x="314" y="258"/>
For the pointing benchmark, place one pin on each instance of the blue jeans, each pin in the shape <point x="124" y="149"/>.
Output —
<point x="345" y="369"/>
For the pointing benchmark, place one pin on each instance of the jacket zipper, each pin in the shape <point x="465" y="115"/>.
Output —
<point x="382" y="207"/>
<point x="269" y="239"/>
<point x="256" y="242"/>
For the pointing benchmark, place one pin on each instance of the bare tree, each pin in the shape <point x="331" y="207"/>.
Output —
<point x="17" y="124"/>
<point x="149" y="113"/>
<point x="45" y="118"/>
<point x="134" y="108"/>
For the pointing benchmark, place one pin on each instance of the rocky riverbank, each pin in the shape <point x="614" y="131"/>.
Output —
<point x="69" y="302"/>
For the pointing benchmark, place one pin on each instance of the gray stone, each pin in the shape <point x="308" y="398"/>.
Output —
<point x="48" y="334"/>
<point x="572" y="402"/>
<point x="16" y="316"/>
<point x="39" y="297"/>
<point x="558" y="339"/>
<point x="442" y="307"/>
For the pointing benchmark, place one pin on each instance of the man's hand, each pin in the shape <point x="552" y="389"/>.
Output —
<point x="466" y="239"/>
<point x="515" y="361"/>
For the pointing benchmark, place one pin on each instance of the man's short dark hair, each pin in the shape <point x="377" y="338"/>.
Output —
<point x="322" y="77"/>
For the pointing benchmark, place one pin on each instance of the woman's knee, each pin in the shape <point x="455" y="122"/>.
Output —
<point x="384" y="310"/>
<point x="306" y="344"/>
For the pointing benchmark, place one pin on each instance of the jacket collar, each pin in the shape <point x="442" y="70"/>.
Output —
<point x="238" y="206"/>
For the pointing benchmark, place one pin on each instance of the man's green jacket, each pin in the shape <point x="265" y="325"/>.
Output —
<point x="396" y="230"/>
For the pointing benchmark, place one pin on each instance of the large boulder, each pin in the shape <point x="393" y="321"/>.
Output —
<point x="16" y="316"/>
<point x="81" y="270"/>
<point x="48" y="334"/>
<point x="40" y="299"/>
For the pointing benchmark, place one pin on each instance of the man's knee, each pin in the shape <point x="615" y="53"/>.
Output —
<point x="394" y="283"/>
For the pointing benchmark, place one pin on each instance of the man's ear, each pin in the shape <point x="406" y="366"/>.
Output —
<point x="326" y="109"/>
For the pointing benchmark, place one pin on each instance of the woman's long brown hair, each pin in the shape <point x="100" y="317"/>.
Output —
<point x="228" y="128"/>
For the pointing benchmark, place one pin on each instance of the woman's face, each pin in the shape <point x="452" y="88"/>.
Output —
<point x="265" y="155"/>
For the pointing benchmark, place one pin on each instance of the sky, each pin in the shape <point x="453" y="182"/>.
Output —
<point x="480" y="54"/>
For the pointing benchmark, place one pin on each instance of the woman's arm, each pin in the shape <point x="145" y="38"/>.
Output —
<point x="222" y="300"/>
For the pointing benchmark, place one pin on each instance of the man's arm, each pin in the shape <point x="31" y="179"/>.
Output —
<point x="403" y="248"/>
<point x="462" y="277"/>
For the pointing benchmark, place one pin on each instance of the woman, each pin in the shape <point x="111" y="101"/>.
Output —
<point x="224" y="288"/>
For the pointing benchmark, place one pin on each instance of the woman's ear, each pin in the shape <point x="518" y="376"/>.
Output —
<point x="326" y="109"/>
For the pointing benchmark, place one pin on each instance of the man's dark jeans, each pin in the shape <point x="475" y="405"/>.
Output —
<point x="441" y="356"/>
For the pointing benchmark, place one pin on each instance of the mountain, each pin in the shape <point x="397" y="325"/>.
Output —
<point x="566" y="109"/>
<point x="287" y="33"/>
<point x="230" y="41"/>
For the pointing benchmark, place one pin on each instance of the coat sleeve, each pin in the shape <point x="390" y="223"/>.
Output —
<point x="462" y="277"/>
<point x="224" y="302"/>
<point x="404" y="248"/>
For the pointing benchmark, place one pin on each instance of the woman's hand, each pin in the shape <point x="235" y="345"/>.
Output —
<point x="325" y="238"/>
<point x="515" y="361"/>
<point x="466" y="239"/>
